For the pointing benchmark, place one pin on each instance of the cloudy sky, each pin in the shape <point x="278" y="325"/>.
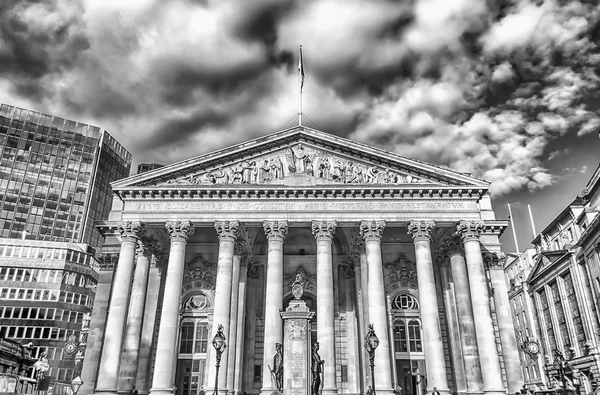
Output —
<point x="507" y="90"/>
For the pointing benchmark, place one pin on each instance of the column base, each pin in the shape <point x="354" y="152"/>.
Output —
<point x="500" y="391"/>
<point x="104" y="391"/>
<point x="161" y="391"/>
<point x="384" y="392"/>
<point x="329" y="391"/>
<point x="476" y="392"/>
<point x="270" y="391"/>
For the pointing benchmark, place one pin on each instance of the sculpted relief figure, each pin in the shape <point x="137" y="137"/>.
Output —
<point x="277" y="168"/>
<point x="265" y="171"/>
<point x="237" y="174"/>
<point x="338" y="171"/>
<point x="299" y="159"/>
<point x="219" y="176"/>
<point x="371" y="175"/>
<point x="324" y="167"/>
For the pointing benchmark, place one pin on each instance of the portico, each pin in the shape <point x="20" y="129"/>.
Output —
<point x="368" y="230"/>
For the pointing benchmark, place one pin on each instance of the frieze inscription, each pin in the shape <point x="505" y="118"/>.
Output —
<point x="320" y="205"/>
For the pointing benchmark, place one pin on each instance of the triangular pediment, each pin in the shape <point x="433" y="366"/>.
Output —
<point x="545" y="261"/>
<point x="299" y="157"/>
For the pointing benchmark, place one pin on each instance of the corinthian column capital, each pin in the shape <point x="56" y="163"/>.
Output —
<point x="469" y="230"/>
<point x="179" y="230"/>
<point x="372" y="230"/>
<point x="227" y="230"/>
<point x="275" y="230"/>
<point x="131" y="231"/>
<point x="239" y="248"/>
<point x="421" y="230"/>
<point x="142" y="249"/>
<point x="323" y="230"/>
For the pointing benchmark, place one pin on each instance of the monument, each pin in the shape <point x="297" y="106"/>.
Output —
<point x="296" y="343"/>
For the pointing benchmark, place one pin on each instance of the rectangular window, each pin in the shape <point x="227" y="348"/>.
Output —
<point x="257" y="373"/>
<point x="344" y="374"/>
<point x="201" y="338"/>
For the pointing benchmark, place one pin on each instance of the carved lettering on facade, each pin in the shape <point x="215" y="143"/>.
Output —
<point x="316" y="206"/>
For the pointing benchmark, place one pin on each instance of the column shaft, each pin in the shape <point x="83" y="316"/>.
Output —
<point x="239" y="351"/>
<point x="323" y="231"/>
<point x="484" y="328"/>
<point x="233" y="317"/>
<point x="108" y="371"/>
<point x="276" y="232"/>
<point x="428" y="300"/>
<point x="372" y="232"/>
<point x="227" y="231"/>
<point x="166" y="346"/>
<point x="465" y="318"/>
<point x="135" y="319"/>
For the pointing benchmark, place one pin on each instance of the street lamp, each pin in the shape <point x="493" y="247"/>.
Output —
<point x="371" y="343"/>
<point x="559" y="365"/>
<point x="577" y="381"/>
<point x="76" y="383"/>
<point x="219" y="345"/>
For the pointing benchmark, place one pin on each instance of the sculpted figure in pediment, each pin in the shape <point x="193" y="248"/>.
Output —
<point x="350" y="174"/>
<point x="372" y="175"/>
<point x="237" y="174"/>
<point x="324" y="166"/>
<point x="265" y="171"/>
<point x="277" y="167"/>
<point x="219" y="176"/>
<point x="338" y="171"/>
<point x="299" y="157"/>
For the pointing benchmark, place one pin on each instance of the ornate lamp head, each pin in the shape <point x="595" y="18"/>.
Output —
<point x="371" y="340"/>
<point x="219" y="340"/>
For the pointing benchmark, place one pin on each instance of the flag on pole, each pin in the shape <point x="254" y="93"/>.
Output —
<point x="301" y="69"/>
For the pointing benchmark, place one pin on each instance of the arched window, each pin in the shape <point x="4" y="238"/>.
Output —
<point x="406" y="302"/>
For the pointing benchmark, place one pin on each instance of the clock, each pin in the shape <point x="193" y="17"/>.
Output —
<point x="70" y="348"/>
<point x="532" y="347"/>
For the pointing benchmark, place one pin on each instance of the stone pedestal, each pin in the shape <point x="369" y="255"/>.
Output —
<point x="297" y="376"/>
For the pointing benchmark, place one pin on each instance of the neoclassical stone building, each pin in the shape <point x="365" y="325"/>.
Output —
<point x="378" y="238"/>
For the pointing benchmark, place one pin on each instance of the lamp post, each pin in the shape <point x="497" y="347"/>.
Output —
<point x="559" y="364"/>
<point x="219" y="345"/>
<point x="76" y="383"/>
<point x="371" y="343"/>
<point x="577" y="381"/>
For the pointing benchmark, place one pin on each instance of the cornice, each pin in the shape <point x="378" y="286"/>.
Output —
<point x="309" y="192"/>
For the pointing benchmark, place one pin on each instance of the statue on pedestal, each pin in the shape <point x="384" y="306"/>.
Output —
<point x="317" y="371"/>
<point x="277" y="371"/>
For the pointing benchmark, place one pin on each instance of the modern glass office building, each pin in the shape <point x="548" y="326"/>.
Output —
<point x="54" y="176"/>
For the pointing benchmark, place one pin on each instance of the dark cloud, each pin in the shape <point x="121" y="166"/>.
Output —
<point x="481" y="86"/>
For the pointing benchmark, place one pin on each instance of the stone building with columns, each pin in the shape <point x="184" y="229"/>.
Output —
<point x="378" y="238"/>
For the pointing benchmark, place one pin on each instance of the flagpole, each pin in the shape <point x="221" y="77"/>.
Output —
<point x="300" y="71"/>
<point x="512" y="224"/>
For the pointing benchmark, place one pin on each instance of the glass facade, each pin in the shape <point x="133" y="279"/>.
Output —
<point x="55" y="176"/>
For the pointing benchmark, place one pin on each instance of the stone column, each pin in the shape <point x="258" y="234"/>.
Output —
<point x="239" y="351"/>
<point x="227" y="232"/>
<point x="465" y="316"/>
<point x="510" y="348"/>
<point x="238" y="250"/>
<point x="276" y="232"/>
<point x="371" y="231"/>
<point x="135" y="319"/>
<point x="430" y="318"/>
<point x="480" y="297"/>
<point x="166" y="346"/>
<point x="362" y="370"/>
<point x="108" y="371"/>
<point x="323" y="232"/>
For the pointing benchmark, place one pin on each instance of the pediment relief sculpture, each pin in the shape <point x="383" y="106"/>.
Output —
<point x="306" y="165"/>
